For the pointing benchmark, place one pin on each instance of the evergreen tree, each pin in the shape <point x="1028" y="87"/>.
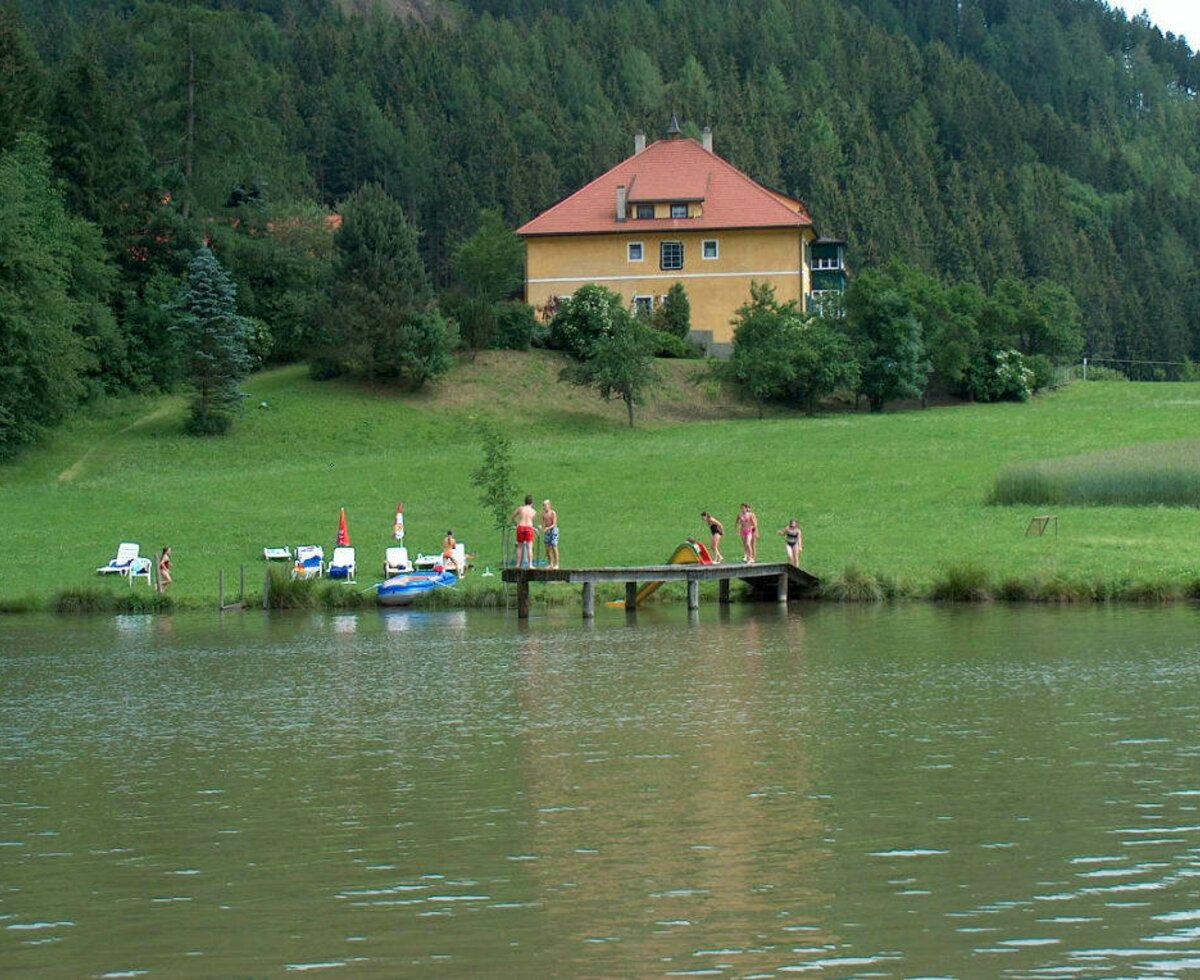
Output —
<point x="43" y="356"/>
<point x="675" y="314"/>
<point x="378" y="324"/>
<point x="213" y="338"/>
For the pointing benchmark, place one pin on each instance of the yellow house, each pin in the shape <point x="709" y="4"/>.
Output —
<point x="672" y="212"/>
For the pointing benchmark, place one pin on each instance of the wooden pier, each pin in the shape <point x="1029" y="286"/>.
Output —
<point x="787" y="581"/>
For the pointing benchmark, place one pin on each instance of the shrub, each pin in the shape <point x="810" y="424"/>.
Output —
<point x="962" y="583"/>
<point x="1149" y="591"/>
<point x="518" y="328"/>
<point x="854" y="585"/>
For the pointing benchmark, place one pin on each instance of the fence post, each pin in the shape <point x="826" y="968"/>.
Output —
<point x="267" y="590"/>
<point x="221" y="590"/>
<point x="1085" y="369"/>
<point x="242" y="584"/>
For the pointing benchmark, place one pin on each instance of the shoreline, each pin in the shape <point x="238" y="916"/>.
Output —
<point x="958" y="584"/>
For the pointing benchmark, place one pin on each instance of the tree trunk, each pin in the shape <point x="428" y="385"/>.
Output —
<point x="629" y="408"/>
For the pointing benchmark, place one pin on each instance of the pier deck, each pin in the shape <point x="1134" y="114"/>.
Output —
<point x="787" y="580"/>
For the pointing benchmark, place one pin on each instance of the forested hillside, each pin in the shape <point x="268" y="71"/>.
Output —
<point x="977" y="140"/>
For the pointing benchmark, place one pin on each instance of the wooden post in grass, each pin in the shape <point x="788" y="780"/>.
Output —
<point x="267" y="590"/>
<point x="242" y="584"/>
<point x="221" y="589"/>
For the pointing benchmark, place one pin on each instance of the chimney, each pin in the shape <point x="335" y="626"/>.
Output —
<point x="621" y="208"/>
<point x="639" y="142"/>
<point x="706" y="138"/>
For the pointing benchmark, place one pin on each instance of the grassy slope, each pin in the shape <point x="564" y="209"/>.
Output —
<point x="900" y="493"/>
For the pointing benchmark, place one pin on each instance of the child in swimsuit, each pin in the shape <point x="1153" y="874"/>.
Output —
<point x="748" y="528"/>
<point x="793" y="541"/>
<point x="716" y="529"/>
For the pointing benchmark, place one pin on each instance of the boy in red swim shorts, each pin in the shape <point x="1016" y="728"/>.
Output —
<point x="523" y="517"/>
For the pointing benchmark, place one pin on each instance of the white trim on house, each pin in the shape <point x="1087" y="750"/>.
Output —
<point x="673" y="276"/>
<point x="630" y="246"/>
<point x="715" y="243"/>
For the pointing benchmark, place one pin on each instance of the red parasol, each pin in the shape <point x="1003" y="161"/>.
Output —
<point x="343" y="538"/>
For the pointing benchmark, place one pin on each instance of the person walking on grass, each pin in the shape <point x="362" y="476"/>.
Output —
<point x="550" y="533"/>
<point x="747" y="523"/>
<point x="448" y="559"/>
<point x="717" y="530"/>
<point x="793" y="540"/>
<point x="523" y="518"/>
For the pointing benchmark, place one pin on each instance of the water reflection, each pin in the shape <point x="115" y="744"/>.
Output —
<point x="843" y="792"/>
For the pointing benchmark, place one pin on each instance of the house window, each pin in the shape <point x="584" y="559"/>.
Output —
<point x="643" y="305"/>
<point x="711" y="249"/>
<point x="679" y="211"/>
<point x="645" y="210"/>
<point x="827" y="263"/>
<point x="671" y="255"/>
<point x="634" y="251"/>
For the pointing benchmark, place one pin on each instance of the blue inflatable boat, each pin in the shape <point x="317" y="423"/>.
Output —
<point x="400" y="590"/>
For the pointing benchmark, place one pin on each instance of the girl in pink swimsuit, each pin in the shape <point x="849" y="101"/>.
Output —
<point x="748" y="528"/>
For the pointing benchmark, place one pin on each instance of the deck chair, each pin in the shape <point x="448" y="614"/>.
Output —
<point x="141" y="568"/>
<point x="277" y="554"/>
<point x="459" y="557"/>
<point x="127" y="553"/>
<point x="342" y="564"/>
<point x="395" y="562"/>
<point x="310" y="561"/>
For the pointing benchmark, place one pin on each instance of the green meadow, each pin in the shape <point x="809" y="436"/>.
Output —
<point x="899" y="501"/>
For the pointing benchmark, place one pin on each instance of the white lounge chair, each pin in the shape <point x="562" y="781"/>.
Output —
<point x="141" y="568"/>
<point x="342" y="564"/>
<point x="277" y="554"/>
<point x="310" y="561"/>
<point x="127" y="553"/>
<point x="395" y="562"/>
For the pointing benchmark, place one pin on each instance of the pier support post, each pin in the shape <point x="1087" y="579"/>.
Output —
<point x="723" y="591"/>
<point x="589" y="600"/>
<point x="693" y="593"/>
<point x="781" y="588"/>
<point x="267" y="590"/>
<point x="522" y="598"/>
<point x="631" y="591"/>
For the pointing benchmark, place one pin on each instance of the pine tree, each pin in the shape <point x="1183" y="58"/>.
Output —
<point x="213" y="337"/>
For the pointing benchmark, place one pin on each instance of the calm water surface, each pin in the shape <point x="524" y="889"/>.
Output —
<point x="896" y="792"/>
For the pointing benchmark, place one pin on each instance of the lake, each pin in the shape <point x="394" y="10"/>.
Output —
<point x="909" y="791"/>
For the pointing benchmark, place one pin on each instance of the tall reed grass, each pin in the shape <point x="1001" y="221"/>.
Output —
<point x="1145" y="475"/>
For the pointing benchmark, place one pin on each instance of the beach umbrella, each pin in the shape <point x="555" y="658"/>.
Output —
<point x="398" y="527"/>
<point x="343" y="538"/>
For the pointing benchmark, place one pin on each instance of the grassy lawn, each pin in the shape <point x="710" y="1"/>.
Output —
<point x="902" y="494"/>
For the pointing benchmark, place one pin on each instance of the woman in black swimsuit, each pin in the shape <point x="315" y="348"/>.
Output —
<point x="716" y="529"/>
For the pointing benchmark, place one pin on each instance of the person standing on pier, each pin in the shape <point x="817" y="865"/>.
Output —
<point x="793" y="540"/>
<point x="747" y="523"/>
<point x="717" y="530"/>
<point x="523" y="517"/>
<point x="550" y="533"/>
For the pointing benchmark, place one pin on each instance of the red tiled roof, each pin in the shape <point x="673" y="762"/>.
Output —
<point x="669" y="170"/>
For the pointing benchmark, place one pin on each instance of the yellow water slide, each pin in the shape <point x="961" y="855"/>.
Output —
<point x="685" y="554"/>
